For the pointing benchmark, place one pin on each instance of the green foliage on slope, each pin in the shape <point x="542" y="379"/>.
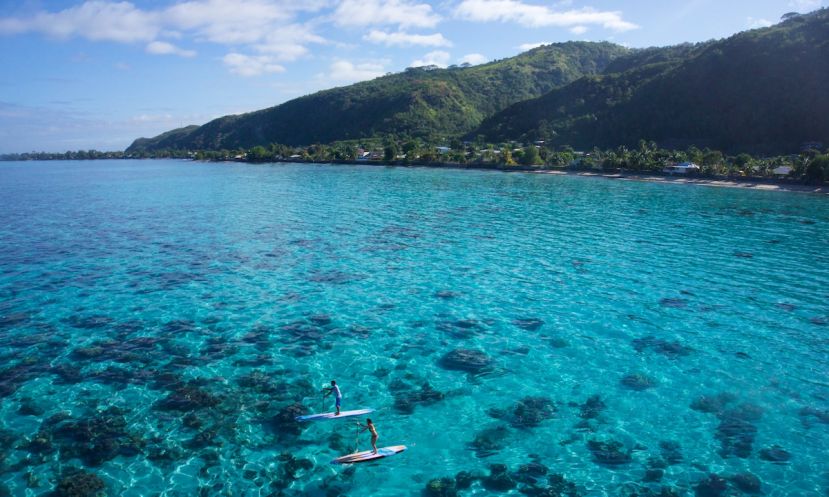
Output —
<point x="428" y="103"/>
<point x="762" y="91"/>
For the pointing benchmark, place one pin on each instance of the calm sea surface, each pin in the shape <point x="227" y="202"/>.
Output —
<point x="162" y="322"/>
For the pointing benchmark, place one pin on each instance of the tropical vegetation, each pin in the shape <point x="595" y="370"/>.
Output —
<point x="761" y="91"/>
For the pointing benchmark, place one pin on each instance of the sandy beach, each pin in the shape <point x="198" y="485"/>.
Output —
<point x="721" y="183"/>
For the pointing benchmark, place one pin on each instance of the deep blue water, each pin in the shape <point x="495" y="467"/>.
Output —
<point x="161" y="322"/>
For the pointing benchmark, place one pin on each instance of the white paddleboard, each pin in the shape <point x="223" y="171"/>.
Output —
<point x="331" y="415"/>
<point x="367" y="455"/>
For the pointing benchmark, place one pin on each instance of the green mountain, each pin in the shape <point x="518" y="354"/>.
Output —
<point x="760" y="91"/>
<point x="421" y="102"/>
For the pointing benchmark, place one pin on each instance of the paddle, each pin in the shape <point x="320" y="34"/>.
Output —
<point x="357" y="437"/>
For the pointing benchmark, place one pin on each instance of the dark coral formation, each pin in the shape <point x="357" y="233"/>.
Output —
<point x="467" y="360"/>
<point x="747" y="483"/>
<point x="188" y="397"/>
<point x="638" y="381"/>
<point x="441" y="487"/>
<point x="671" y="452"/>
<point x="712" y="486"/>
<point x="461" y="328"/>
<point x="609" y="453"/>
<point x="489" y="440"/>
<point x="76" y="483"/>
<point x="531" y="479"/>
<point x="407" y="397"/>
<point x="284" y="422"/>
<point x="660" y="346"/>
<point x="527" y="412"/>
<point x="775" y="454"/>
<point x="94" y="439"/>
<point x="499" y="479"/>
<point x="592" y="407"/>
<point x="810" y="415"/>
<point x="88" y="322"/>
<point x="303" y="337"/>
<point x="736" y="437"/>
<point x="713" y="404"/>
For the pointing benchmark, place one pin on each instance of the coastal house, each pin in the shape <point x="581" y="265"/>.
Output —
<point x="686" y="168"/>
<point x="443" y="150"/>
<point x="781" y="171"/>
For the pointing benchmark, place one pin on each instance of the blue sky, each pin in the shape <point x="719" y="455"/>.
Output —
<point x="100" y="73"/>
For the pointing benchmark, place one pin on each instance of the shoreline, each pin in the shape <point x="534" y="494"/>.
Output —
<point x="748" y="183"/>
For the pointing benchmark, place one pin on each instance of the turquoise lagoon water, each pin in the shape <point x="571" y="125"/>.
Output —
<point x="161" y="322"/>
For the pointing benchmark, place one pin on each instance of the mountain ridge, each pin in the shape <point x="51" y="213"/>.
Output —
<point x="757" y="91"/>
<point x="419" y="102"/>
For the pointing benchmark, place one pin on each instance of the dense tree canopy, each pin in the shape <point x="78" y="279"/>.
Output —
<point x="428" y="103"/>
<point x="761" y="91"/>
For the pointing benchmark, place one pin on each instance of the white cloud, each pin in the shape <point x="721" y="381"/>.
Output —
<point x="437" y="58"/>
<point x="754" y="23"/>
<point x="164" y="48"/>
<point x="529" y="46"/>
<point x="404" y="13"/>
<point x="287" y="42"/>
<point x="233" y="22"/>
<point x="538" y="16"/>
<point x="473" y="59"/>
<point x="94" y="20"/>
<point x="805" y="5"/>
<point x="251" y="65"/>
<point x="151" y="118"/>
<point x="345" y="71"/>
<point x="401" y="38"/>
<point x="578" y="30"/>
<point x="268" y="27"/>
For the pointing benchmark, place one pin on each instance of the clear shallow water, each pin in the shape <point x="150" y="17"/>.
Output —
<point x="158" y="319"/>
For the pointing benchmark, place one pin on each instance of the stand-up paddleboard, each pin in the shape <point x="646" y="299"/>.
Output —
<point x="366" y="455"/>
<point x="331" y="415"/>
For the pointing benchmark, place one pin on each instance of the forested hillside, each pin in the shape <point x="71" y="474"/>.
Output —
<point x="427" y="103"/>
<point x="760" y="91"/>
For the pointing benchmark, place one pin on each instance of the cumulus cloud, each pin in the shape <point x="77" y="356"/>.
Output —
<point x="93" y="20"/>
<point x="754" y="23"/>
<point x="348" y="72"/>
<point x="578" y="30"/>
<point x="287" y="42"/>
<point x="267" y="27"/>
<point x="251" y="65"/>
<point x="529" y="46"/>
<point x="164" y="48"/>
<point x="401" y="38"/>
<point x="403" y="13"/>
<point x="473" y="59"/>
<point x="437" y="58"/>
<point x="233" y="22"/>
<point x="538" y="16"/>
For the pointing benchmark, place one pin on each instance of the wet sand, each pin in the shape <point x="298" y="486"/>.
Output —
<point x="722" y="183"/>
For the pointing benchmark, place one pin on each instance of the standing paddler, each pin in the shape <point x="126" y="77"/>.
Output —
<point x="338" y="396"/>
